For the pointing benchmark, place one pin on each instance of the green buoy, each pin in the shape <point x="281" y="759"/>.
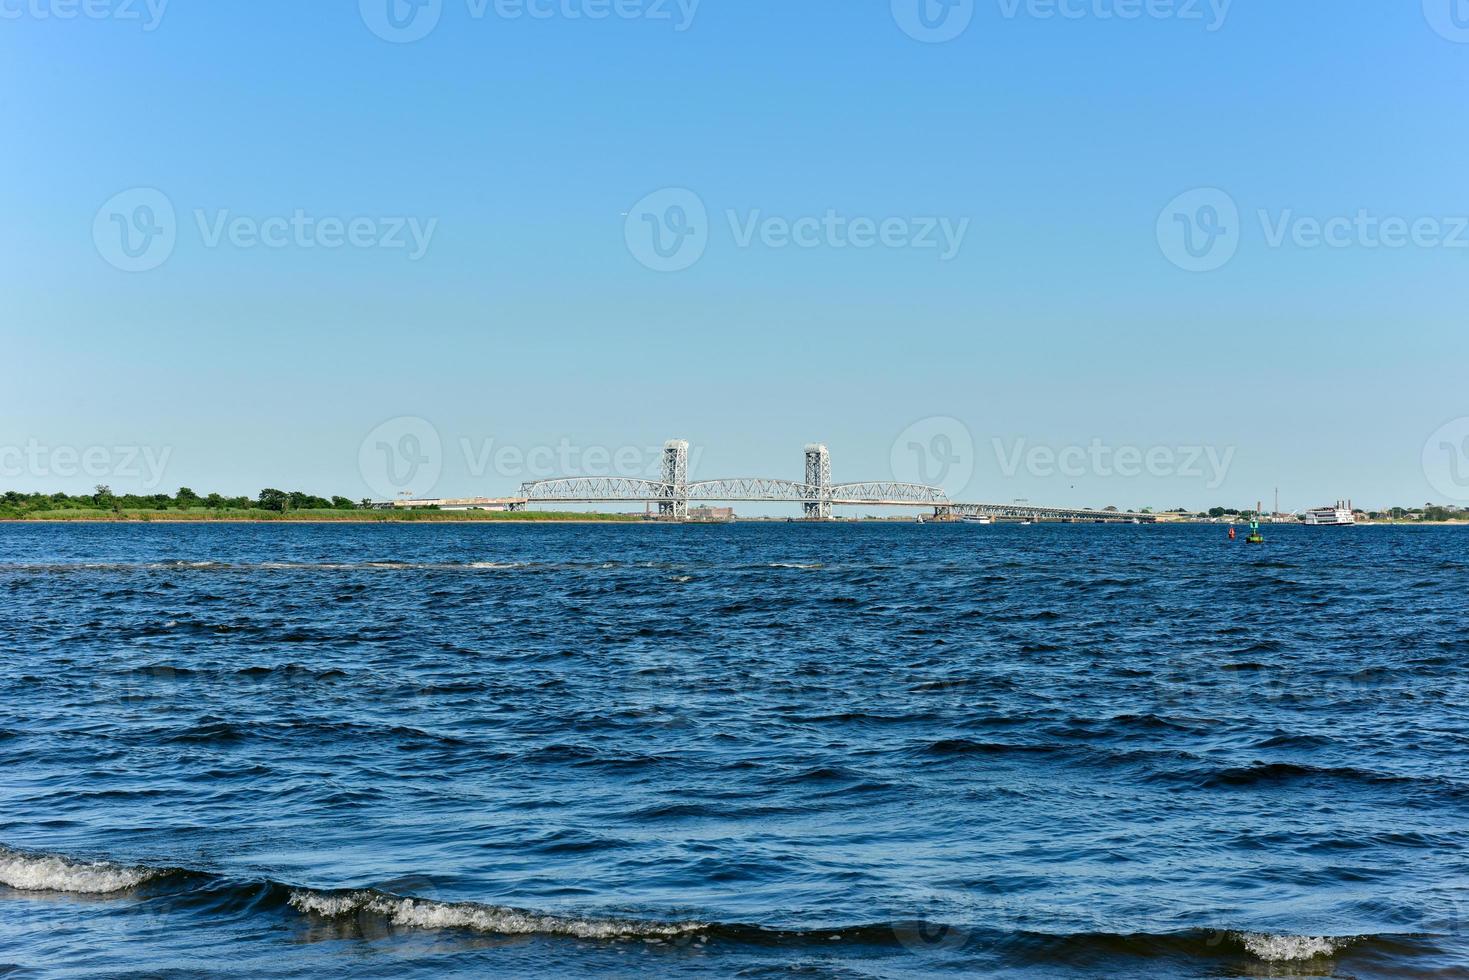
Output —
<point x="1255" y="536"/>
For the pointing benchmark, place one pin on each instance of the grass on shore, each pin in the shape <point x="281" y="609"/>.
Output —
<point x="204" y="514"/>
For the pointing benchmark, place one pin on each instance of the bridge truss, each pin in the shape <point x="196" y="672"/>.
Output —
<point x="817" y="494"/>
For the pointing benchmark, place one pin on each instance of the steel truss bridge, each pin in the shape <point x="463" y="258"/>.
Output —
<point x="816" y="494"/>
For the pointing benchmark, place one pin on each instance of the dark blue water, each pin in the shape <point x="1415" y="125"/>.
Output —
<point x="745" y="750"/>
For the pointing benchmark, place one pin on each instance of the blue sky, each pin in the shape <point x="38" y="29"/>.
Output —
<point x="523" y="146"/>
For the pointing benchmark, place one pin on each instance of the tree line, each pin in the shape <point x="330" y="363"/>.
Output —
<point x="16" y="504"/>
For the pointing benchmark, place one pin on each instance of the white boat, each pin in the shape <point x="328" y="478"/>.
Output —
<point x="1337" y="516"/>
<point x="1026" y="523"/>
<point x="977" y="519"/>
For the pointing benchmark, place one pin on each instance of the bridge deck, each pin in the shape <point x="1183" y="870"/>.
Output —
<point x="941" y="508"/>
<point x="817" y="494"/>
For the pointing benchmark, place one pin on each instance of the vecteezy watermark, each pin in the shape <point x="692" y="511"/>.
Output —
<point x="137" y="230"/>
<point x="148" y="14"/>
<point x="669" y="231"/>
<point x="40" y="461"/>
<point x="1211" y="13"/>
<point x="302" y="230"/>
<point x="1208" y="463"/>
<point x="484" y="457"/>
<point x="937" y="21"/>
<point x="1201" y="230"/>
<point x="403" y="456"/>
<point x="934" y="921"/>
<point x="1448" y="18"/>
<point x="401" y="21"/>
<point x="657" y="685"/>
<point x="929" y="936"/>
<point x="1446" y="459"/>
<point x="933" y="21"/>
<point x="937" y="451"/>
<point x="406" y="21"/>
<point x="406" y="457"/>
<point x="835" y="230"/>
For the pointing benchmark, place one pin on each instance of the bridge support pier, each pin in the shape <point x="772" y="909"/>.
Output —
<point x="818" y="475"/>
<point x="676" y="478"/>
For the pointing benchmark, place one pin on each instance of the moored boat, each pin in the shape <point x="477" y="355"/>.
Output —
<point x="1338" y="516"/>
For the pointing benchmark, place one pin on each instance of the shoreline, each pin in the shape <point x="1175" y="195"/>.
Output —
<point x="322" y="520"/>
<point x="554" y="518"/>
<point x="308" y="520"/>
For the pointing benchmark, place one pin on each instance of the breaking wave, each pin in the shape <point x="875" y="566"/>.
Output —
<point x="54" y="873"/>
<point x="418" y="913"/>
<point x="200" y="891"/>
<point x="1277" y="949"/>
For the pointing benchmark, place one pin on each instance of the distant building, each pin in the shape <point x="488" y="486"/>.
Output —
<point x="711" y="513"/>
<point x="460" y="503"/>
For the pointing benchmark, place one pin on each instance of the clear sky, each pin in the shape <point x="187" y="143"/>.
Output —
<point x="866" y="235"/>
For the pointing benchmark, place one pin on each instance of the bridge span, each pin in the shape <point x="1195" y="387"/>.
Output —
<point x="816" y="494"/>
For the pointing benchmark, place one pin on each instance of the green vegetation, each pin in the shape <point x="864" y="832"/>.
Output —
<point x="269" y="505"/>
<point x="1428" y="512"/>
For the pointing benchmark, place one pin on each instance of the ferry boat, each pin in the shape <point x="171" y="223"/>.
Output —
<point x="1337" y="516"/>
<point x="977" y="519"/>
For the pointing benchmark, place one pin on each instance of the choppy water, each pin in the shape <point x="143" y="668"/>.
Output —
<point x="748" y="750"/>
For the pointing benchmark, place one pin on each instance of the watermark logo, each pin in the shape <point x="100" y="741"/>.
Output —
<point x="668" y="230"/>
<point x="136" y="230"/>
<point x="938" y="21"/>
<point x="37" y="460"/>
<point x="402" y="457"/>
<point x="933" y="21"/>
<point x="937" y="451"/>
<point x="679" y="13"/>
<point x="566" y="458"/>
<point x="1448" y="18"/>
<point x="923" y="936"/>
<point x="147" y="13"/>
<point x="406" y="21"/>
<point x="1206" y="463"/>
<point x="659" y="688"/>
<point x="934" y="917"/>
<point x="401" y="21"/>
<point x="1363" y="230"/>
<point x="1199" y="230"/>
<point x="1446" y="459"/>
<point x="1212" y="13"/>
<point x="301" y="230"/>
<point x="838" y="231"/>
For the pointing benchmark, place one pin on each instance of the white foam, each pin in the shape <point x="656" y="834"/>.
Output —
<point x="423" y="914"/>
<point x="47" y="872"/>
<point x="1277" y="949"/>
